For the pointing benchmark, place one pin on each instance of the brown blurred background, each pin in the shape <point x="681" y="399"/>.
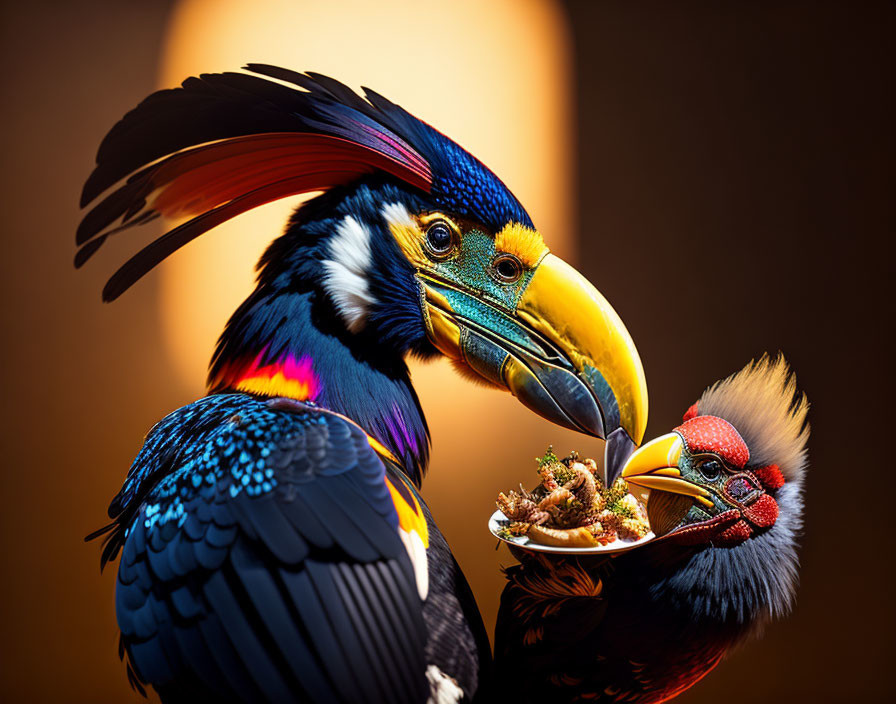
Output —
<point x="735" y="190"/>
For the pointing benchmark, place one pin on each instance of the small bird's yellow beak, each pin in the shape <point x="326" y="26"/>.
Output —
<point x="655" y="467"/>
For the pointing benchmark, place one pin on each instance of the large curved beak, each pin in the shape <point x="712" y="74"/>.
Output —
<point x="655" y="467"/>
<point x="563" y="352"/>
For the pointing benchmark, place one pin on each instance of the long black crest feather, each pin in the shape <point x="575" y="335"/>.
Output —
<point x="224" y="143"/>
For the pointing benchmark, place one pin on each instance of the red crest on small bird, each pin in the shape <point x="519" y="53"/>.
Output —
<point x="716" y="435"/>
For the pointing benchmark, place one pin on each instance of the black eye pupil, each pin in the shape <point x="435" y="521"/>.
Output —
<point x="710" y="469"/>
<point x="439" y="238"/>
<point x="506" y="268"/>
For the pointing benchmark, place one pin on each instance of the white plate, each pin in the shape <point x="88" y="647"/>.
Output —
<point x="617" y="546"/>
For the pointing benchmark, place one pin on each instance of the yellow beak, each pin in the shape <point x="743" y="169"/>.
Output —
<point x="565" y="308"/>
<point x="655" y="467"/>
<point x="563" y="351"/>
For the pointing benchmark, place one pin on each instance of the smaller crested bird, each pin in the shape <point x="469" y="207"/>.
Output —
<point x="724" y="494"/>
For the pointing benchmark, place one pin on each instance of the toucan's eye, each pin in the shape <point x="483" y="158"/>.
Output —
<point x="507" y="268"/>
<point x="439" y="239"/>
<point x="710" y="469"/>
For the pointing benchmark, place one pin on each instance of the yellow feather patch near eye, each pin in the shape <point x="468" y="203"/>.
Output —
<point x="407" y="232"/>
<point x="522" y="242"/>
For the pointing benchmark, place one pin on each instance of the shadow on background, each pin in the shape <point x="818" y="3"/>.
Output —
<point x="736" y="195"/>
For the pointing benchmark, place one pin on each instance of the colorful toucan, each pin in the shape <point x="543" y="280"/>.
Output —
<point x="725" y="499"/>
<point x="273" y="543"/>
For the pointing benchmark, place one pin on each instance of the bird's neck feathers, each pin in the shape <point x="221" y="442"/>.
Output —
<point x="315" y="328"/>
<point x="743" y="585"/>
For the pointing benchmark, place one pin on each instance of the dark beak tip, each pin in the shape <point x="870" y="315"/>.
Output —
<point x="619" y="448"/>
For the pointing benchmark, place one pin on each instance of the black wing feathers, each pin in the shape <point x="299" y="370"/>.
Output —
<point x="302" y="593"/>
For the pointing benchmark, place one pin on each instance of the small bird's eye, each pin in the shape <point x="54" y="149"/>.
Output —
<point x="710" y="469"/>
<point x="507" y="268"/>
<point x="439" y="239"/>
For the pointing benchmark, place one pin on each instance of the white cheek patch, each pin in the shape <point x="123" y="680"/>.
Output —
<point x="346" y="272"/>
<point x="442" y="688"/>
<point x="397" y="214"/>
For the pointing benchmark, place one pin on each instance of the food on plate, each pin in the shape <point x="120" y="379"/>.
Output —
<point x="571" y="507"/>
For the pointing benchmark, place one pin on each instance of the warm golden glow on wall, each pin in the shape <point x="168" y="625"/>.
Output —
<point x="495" y="77"/>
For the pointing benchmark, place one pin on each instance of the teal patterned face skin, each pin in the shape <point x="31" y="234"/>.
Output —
<point x="473" y="266"/>
<point x="688" y="466"/>
<point x="506" y="311"/>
